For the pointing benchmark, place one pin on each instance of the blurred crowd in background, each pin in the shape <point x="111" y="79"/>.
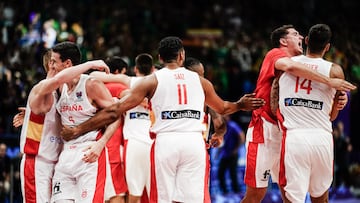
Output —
<point x="229" y="37"/>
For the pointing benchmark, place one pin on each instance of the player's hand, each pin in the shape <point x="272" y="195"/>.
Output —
<point x="18" y="119"/>
<point x="68" y="133"/>
<point x="342" y="100"/>
<point x="100" y="65"/>
<point x="342" y="85"/>
<point x="216" y="140"/>
<point x="249" y="102"/>
<point x="93" y="152"/>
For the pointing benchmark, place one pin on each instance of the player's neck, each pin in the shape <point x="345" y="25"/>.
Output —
<point x="314" y="55"/>
<point x="72" y="84"/>
<point x="172" y="65"/>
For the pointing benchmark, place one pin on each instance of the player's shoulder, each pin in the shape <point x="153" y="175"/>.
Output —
<point x="336" y="71"/>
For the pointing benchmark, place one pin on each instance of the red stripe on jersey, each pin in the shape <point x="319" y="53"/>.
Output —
<point x="282" y="177"/>
<point x="100" y="180"/>
<point x="251" y="164"/>
<point x="39" y="119"/>
<point x="153" y="188"/>
<point x="31" y="146"/>
<point x="30" y="181"/>
<point x="207" y="197"/>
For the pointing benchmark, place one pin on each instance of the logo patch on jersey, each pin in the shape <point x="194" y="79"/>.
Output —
<point x="56" y="188"/>
<point x="79" y="96"/>
<point x="56" y="139"/>
<point x="84" y="193"/>
<point x="304" y="103"/>
<point x="139" y="115"/>
<point x="165" y="115"/>
<point x="266" y="175"/>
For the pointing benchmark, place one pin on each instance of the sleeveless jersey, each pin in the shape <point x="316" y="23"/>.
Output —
<point x="40" y="133"/>
<point x="178" y="101"/>
<point x="75" y="108"/>
<point x="137" y="121"/>
<point x="305" y="103"/>
<point x="263" y="87"/>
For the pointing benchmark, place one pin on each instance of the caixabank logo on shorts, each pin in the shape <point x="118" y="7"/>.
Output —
<point x="165" y="115"/>
<point x="303" y="102"/>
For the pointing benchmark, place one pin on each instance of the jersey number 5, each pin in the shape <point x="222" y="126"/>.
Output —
<point x="303" y="84"/>
<point x="182" y="93"/>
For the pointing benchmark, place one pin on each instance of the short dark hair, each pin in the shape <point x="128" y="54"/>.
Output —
<point x="190" y="61"/>
<point x="116" y="63"/>
<point x="68" y="50"/>
<point x="278" y="33"/>
<point x="144" y="63"/>
<point x="318" y="37"/>
<point x="169" y="48"/>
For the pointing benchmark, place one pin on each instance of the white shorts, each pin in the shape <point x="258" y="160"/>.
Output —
<point x="179" y="163"/>
<point x="263" y="159"/>
<point x="36" y="174"/>
<point x="137" y="166"/>
<point x="77" y="180"/>
<point x="308" y="163"/>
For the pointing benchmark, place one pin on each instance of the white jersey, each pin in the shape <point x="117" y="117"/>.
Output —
<point x="178" y="101"/>
<point x="305" y="103"/>
<point x="137" y="121"/>
<point x="40" y="134"/>
<point x="75" y="108"/>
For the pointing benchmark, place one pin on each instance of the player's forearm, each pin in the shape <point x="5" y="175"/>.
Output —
<point x="70" y="73"/>
<point x="220" y="127"/>
<point x="218" y="121"/>
<point x="303" y="71"/>
<point x="101" y="119"/>
<point x="339" y="103"/>
<point x="109" y="132"/>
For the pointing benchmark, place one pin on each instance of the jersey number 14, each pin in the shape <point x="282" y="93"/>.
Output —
<point x="303" y="84"/>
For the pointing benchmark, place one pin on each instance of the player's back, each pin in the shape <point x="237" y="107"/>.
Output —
<point x="178" y="102"/>
<point x="305" y="103"/>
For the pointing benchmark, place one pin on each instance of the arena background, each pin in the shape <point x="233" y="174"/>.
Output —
<point x="230" y="38"/>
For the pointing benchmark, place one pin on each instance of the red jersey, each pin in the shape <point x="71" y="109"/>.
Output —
<point x="115" y="90"/>
<point x="263" y="88"/>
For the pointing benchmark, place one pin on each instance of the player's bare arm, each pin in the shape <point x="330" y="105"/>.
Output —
<point x="118" y="78"/>
<point x="219" y="127"/>
<point x="247" y="102"/>
<point x="341" y="98"/>
<point x="274" y="95"/>
<point x="301" y="70"/>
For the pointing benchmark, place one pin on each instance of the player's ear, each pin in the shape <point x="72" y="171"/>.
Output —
<point x="327" y="47"/>
<point x="307" y="40"/>
<point x="283" y="41"/>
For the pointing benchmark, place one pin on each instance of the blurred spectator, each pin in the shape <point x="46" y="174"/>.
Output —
<point x="342" y="149"/>
<point x="4" y="173"/>
<point x="229" y="155"/>
<point x="49" y="34"/>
